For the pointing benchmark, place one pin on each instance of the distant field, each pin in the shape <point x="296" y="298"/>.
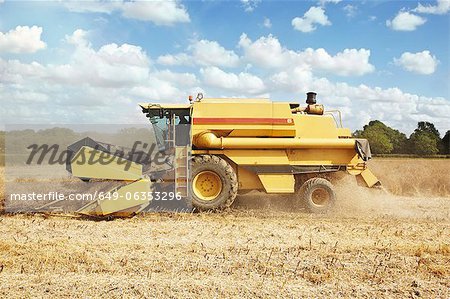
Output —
<point x="374" y="245"/>
<point x="2" y="185"/>
<point x="408" y="156"/>
<point x="413" y="176"/>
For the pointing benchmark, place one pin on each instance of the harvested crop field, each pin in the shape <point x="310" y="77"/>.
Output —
<point x="375" y="244"/>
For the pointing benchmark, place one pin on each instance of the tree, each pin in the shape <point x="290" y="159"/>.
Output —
<point x="379" y="142"/>
<point x="446" y="143"/>
<point x="425" y="140"/>
<point x="424" y="144"/>
<point x="383" y="139"/>
<point x="424" y="126"/>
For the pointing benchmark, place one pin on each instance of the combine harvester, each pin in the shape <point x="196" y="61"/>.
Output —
<point x="222" y="147"/>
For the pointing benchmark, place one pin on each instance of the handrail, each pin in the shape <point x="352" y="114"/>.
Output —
<point x="330" y="112"/>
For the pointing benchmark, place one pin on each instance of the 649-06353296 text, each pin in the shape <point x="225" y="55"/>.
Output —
<point x="138" y="196"/>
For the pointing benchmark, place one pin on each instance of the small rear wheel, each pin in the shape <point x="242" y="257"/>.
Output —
<point x="318" y="195"/>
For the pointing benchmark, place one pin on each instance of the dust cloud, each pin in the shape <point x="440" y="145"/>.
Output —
<point x="410" y="188"/>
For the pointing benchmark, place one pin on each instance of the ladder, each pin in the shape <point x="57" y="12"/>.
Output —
<point x="182" y="170"/>
<point x="181" y="165"/>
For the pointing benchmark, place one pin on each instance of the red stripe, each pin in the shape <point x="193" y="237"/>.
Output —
<point x="251" y="121"/>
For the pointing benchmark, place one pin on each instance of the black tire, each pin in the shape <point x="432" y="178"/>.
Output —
<point x="318" y="195"/>
<point x="228" y="179"/>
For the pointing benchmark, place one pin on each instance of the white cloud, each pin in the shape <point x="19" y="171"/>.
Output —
<point x="235" y="83"/>
<point x="125" y="54"/>
<point x="315" y="15"/>
<point x="324" y="2"/>
<point x="165" y="87"/>
<point x="350" y="62"/>
<point x="110" y="66"/>
<point x="78" y="38"/>
<point x="110" y="81"/>
<point x="22" y="39"/>
<point x="295" y="80"/>
<point x="350" y="10"/>
<point x="362" y="103"/>
<point x="95" y="6"/>
<point x="179" y="79"/>
<point x="204" y="53"/>
<point x="442" y="7"/>
<point x="405" y="21"/>
<point x="250" y="5"/>
<point x="178" y="59"/>
<point x="267" y="23"/>
<point x="420" y="63"/>
<point x="212" y="53"/>
<point x="59" y="100"/>
<point x="158" y="11"/>
<point x="24" y="97"/>
<point x="98" y="85"/>
<point x="267" y="52"/>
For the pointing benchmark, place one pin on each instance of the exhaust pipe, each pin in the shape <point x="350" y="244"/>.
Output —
<point x="311" y="98"/>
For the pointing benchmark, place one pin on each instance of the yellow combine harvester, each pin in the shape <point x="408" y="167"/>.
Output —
<point x="223" y="147"/>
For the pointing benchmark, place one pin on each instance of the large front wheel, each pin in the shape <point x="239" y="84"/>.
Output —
<point x="214" y="183"/>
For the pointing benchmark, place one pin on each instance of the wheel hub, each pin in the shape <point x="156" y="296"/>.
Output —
<point x="207" y="185"/>
<point x="320" y="197"/>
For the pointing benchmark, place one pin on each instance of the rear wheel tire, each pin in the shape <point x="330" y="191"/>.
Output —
<point x="318" y="195"/>
<point x="214" y="183"/>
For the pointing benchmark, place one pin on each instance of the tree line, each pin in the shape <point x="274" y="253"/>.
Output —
<point x="14" y="145"/>
<point x="424" y="141"/>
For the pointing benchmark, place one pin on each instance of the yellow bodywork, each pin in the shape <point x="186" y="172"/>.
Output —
<point x="86" y="165"/>
<point x="260" y="133"/>
<point x="369" y="177"/>
<point x="277" y="183"/>
<point x="127" y="199"/>
<point x="121" y="201"/>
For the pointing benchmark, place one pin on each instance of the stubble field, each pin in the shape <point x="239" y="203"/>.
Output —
<point x="379" y="244"/>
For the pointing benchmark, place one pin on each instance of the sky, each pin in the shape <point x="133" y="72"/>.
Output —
<point x="69" y="62"/>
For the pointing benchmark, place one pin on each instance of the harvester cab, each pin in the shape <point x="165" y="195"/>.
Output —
<point x="171" y="124"/>
<point x="217" y="148"/>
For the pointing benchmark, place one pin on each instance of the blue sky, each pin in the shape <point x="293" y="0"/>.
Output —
<point x="93" y="61"/>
